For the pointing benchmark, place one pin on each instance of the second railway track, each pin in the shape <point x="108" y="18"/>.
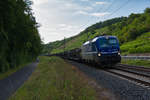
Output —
<point x="137" y="68"/>
<point x="138" y="75"/>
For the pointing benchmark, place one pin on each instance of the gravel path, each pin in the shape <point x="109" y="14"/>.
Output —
<point x="10" y="84"/>
<point x="122" y="88"/>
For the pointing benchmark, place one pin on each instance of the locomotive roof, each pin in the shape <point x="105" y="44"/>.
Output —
<point x="107" y="36"/>
<point x="95" y="39"/>
<point x="102" y="37"/>
<point x="87" y="42"/>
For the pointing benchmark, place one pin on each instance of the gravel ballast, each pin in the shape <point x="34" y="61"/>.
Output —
<point x="122" y="88"/>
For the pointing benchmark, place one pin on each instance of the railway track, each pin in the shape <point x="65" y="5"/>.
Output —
<point x="137" y="68"/>
<point x="138" y="75"/>
<point x="135" y="74"/>
<point x="134" y="69"/>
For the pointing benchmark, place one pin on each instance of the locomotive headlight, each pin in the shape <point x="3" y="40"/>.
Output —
<point x="99" y="54"/>
<point x="118" y="53"/>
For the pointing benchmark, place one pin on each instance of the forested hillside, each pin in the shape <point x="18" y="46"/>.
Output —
<point x="19" y="38"/>
<point x="133" y="33"/>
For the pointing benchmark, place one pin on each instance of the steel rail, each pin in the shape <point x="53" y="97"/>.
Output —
<point x="137" y="68"/>
<point x="130" y="78"/>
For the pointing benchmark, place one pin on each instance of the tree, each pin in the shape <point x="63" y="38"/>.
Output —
<point x="147" y="10"/>
<point x="19" y="36"/>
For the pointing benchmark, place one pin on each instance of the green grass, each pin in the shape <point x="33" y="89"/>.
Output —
<point x="74" y="43"/>
<point x="145" y="63"/>
<point x="11" y="71"/>
<point x="55" y="81"/>
<point x="140" y="45"/>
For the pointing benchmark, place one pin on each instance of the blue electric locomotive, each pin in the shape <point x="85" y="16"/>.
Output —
<point x="101" y="50"/>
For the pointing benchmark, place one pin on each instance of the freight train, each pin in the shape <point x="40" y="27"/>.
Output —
<point x="102" y="50"/>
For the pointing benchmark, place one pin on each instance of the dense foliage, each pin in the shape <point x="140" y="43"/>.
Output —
<point x="19" y="38"/>
<point x="129" y="30"/>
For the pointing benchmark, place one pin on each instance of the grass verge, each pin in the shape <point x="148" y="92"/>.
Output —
<point x="55" y="79"/>
<point x="144" y="63"/>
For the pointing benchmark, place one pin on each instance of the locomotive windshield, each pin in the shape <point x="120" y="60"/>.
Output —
<point x="108" y="42"/>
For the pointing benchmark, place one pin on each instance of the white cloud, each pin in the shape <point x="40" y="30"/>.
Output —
<point x="38" y="2"/>
<point x="74" y="6"/>
<point x="92" y="14"/>
<point x="62" y="25"/>
<point x="65" y="27"/>
<point x="81" y="12"/>
<point x="99" y="14"/>
<point x="84" y="0"/>
<point x="100" y="3"/>
<point x="87" y="8"/>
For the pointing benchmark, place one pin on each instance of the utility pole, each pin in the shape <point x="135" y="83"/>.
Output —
<point x="64" y="44"/>
<point x="87" y="36"/>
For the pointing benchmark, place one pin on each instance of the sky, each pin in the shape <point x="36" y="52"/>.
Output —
<point x="66" y="18"/>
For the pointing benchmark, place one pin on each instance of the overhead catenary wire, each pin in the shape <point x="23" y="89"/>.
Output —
<point x="91" y="17"/>
<point x="99" y="10"/>
<point x="121" y="6"/>
<point x="89" y="20"/>
<point x="107" y="9"/>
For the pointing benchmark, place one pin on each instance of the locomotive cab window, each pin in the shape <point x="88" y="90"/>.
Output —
<point x="108" y="42"/>
<point x="103" y="42"/>
<point x="112" y="41"/>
